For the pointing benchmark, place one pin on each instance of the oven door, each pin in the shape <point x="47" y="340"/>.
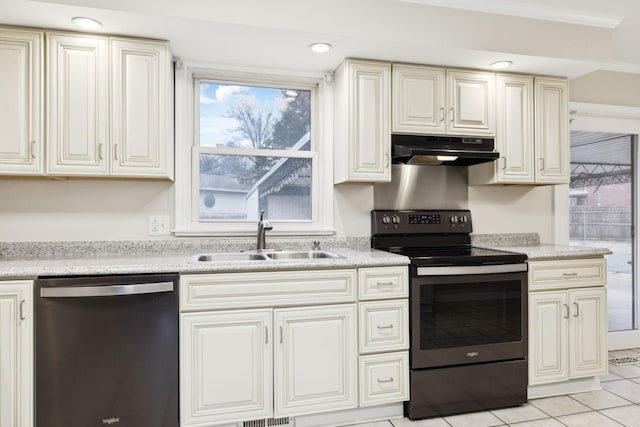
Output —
<point x="466" y="315"/>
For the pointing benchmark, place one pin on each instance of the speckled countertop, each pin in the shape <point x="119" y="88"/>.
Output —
<point x="31" y="260"/>
<point x="529" y="244"/>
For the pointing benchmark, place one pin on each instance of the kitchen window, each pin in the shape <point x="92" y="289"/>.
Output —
<point x="248" y="142"/>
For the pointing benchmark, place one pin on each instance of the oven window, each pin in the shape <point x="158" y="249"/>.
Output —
<point x="464" y="314"/>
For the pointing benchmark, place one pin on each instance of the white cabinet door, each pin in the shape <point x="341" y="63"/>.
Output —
<point x="21" y="102"/>
<point x="548" y="337"/>
<point x="141" y="114"/>
<point x="552" y="131"/>
<point x="78" y="105"/>
<point x="315" y="359"/>
<point x="470" y="102"/>
<point x="362" y="122"/>
<point x="16" y="354"/>
<point x="418" y="100"/>
<point x="514" y="136"/>
<point x="588" y="332"/>
<point x="226" y="367"/>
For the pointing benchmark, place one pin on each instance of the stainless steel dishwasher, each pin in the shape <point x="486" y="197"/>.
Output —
<point x="106" y="351"/>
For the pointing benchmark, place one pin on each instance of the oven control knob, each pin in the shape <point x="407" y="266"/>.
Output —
<point x="395" y="219"/>
<point x="463" y="218"/>
<point x="386" y="219"/>
<point x="453" y="219"/>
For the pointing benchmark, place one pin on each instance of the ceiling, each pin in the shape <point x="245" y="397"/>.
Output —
<point x="557" y="37"/>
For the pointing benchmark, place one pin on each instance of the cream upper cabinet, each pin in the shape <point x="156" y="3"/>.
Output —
<point x="78" y="105"/>
<point x="470" y="103"/>
<point x="418" y="104"/>
<point x="552" y="130"/>
<point x="532" y="133"/>
<point x="16" y="353"/>
<point x="362" y="120"/>
<point x="141" y="109"/>
<point x="428" y="100"/>
<point x="21" y="103"/>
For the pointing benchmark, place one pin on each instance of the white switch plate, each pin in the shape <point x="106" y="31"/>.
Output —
<point x="158" y="225"/>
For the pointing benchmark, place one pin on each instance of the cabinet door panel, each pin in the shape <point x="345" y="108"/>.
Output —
<point x="16" y="354"/>
<point x="514" y="139"/>
<point x="471" y="103"/>
<point x="548" y="349"/>
<point x="418" y="99"/>
<point x="21" y="103"/>
<point x="315" y="359"/>
<point x="226" y="368"/>
<point x="552" y="131"/>
<point x="78" y="104"/>
<point x="588" y="332"/>
<point x="140" y="109"/>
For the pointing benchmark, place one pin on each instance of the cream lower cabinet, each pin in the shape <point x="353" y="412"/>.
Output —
<point x="264" y="345"/>
<point x="567" y="328"/>
<point x="239" y="365"/>
<point x="16" y="353"/>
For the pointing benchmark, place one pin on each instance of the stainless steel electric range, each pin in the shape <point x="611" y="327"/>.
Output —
<point x="468" y="313"/>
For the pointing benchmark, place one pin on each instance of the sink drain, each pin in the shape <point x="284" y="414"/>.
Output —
<point x="625" y="360"/>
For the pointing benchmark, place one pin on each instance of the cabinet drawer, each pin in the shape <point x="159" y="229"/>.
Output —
<point x="563" y="274"/>
<point x="384" y="326"/>
<point x="266" y="289"/>
<point x="383" y="282"/>
<point x="384" y="378"/>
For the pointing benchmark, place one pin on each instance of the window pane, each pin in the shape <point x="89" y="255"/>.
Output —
<point x="254" y="117"/>
<point x="601" y="215"/>
<point x="238" y="187"/>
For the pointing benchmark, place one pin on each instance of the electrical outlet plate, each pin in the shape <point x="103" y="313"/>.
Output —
<point x="159" y="225"/>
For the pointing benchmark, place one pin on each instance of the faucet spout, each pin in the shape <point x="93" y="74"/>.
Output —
<point x="263" y="226"/>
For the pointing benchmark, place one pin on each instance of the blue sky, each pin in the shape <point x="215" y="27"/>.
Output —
<point x="217" y="99"/>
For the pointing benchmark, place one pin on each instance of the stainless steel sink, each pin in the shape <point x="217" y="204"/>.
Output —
<point x="302" y="255"/>
<point x="231" y="257"/>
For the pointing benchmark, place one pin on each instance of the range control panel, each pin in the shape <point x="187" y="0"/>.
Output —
<point x="420" y="222"/>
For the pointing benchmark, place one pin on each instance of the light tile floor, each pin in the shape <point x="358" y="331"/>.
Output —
<point x="617" y="404"/>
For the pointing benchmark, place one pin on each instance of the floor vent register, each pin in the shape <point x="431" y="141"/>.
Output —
<point x="270" y="422"/>
<point x="623" y="361"/>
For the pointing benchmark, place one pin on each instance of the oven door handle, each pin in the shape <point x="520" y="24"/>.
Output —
<point x="471" y="269"/>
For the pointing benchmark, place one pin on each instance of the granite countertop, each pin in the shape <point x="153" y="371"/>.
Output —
<point x="43" y="265"/>
<point x="529" y="244"/>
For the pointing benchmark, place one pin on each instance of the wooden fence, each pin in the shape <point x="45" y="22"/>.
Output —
<point x="600" y="223"/>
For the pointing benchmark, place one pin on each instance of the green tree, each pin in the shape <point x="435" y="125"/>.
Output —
<point x="295" y="120"/>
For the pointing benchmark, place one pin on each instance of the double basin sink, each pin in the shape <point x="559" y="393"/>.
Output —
<point x="268" y="255"/>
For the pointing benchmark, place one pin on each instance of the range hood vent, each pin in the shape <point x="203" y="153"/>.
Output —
<point x="441" y="150"/>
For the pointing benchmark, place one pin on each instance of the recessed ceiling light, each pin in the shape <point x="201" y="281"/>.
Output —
<point x="87" y="23"/>
<point x="499" y="65"/>
<point x="320" y="47"/>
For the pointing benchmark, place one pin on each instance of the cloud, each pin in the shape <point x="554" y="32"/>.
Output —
<point x="204" y="99"/>
<point x="224" y="92"/>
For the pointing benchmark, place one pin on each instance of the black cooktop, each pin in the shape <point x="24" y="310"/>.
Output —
<point x="470" y="255"/>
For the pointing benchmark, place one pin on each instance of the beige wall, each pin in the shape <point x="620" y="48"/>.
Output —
<point x="606" y="87"/>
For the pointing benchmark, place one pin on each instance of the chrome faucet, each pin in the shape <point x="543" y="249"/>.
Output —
<point x="263" y="226"/>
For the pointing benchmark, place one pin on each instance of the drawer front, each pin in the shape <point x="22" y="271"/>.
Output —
<point x="569" y="273"/>
<point x="383" y="282"/>
<point x="384" y="326"/>
<point x="384" y="378"/>
<point x="266" y="289"/>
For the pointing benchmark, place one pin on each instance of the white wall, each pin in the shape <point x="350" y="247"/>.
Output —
<point x="43" y="210"/>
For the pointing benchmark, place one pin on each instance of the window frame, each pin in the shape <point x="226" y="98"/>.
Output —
<point x="188" y="223"/>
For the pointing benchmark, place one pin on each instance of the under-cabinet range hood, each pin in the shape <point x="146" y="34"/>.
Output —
<point x="442" y="150"/>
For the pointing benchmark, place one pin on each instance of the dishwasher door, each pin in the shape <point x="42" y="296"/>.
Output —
<point x="106" y="351"/>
